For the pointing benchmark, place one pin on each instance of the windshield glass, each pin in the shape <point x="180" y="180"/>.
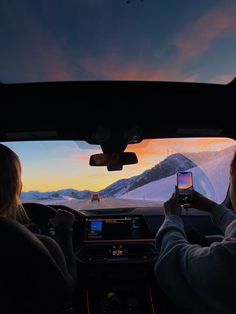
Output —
<point x="165" y="40"/>
<point x="58" y="172"/>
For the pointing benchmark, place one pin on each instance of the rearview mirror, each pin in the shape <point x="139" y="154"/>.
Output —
<point x="113" y="161"/>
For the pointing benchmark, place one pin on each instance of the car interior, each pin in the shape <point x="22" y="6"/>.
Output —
<point x="114" y="239"/>
<point x="105" y="103"/>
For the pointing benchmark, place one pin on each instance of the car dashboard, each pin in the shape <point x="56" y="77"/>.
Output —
<point x="127" y="235"/>
<point x="116" y="239"/>
<point x="117" y="253"/>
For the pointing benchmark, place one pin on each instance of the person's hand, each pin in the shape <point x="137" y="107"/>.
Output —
<point x="172" y="206"/>
<point x="198" y="201"/>
<point x="63" y="217"/>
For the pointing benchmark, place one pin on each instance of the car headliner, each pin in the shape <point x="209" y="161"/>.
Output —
<point x="134" y="110"/>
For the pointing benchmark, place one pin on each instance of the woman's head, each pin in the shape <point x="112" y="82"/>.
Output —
<point x="10" y="183"/>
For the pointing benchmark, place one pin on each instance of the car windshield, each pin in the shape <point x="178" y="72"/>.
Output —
<point x="58" y="172"/>
<point x="150" y="40"/>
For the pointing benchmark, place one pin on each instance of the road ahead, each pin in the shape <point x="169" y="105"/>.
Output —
<point x="104" y="203"/>
<point x="109" y="203"/>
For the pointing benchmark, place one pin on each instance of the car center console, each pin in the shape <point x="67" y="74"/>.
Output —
<point x="115" y="255"/>
<point x="116" y="259"/>
<point x="116" y="239"/>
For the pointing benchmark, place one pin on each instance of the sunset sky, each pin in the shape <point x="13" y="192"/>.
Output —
<point x="50" y="166"/>
<point x="169" y="40"/>
<point x="68" y="40"/>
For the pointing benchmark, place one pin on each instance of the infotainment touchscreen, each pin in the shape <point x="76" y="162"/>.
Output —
<point x="115" y="228"/>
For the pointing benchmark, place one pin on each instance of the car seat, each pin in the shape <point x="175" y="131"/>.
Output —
<point x="30" y="280"/>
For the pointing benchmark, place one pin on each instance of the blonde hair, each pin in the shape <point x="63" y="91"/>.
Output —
<point x="10" y="185"/>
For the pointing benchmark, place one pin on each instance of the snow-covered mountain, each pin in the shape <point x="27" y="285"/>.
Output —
<point x="117" y="188"/>
<point x="165" y="168"/>
<point x="210" y="178"/>
<point x="161" y="190"/>
<point x="205" y="156"/>
<point x="36" y="195"/>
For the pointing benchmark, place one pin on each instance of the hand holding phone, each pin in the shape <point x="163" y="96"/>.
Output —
<point x="185" y="186"/>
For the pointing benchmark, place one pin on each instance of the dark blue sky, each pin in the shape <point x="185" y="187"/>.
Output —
<point x="174" y="40"/>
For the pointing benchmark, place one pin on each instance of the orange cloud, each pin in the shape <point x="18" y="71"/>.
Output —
<point x="112" y="67"/>
<point x="197" y="37"/>
<point x="193" y="41"/>
<point x="81" y="158"/>
<point x="155" y="150"/>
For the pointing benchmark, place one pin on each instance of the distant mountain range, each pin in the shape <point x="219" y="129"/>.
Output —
<point x="167" y="167"/>
<point x="31" y="195"/>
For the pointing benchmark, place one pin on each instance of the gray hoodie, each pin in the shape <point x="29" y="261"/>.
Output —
<point x="200" y="280"/>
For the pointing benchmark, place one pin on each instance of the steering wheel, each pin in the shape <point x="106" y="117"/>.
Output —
<point x="40" y="215"/>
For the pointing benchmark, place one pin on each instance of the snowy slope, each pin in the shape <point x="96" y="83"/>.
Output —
<point x="210" y="179"/>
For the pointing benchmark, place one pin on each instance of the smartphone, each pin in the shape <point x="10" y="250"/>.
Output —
<point x="185" y="185"/>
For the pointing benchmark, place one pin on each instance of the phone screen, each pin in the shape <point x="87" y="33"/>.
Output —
<point x="185" y="182"/>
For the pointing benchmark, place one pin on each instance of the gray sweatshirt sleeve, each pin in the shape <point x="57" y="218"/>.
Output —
<point x="187" y="273"/>
<point x="223" y="217"/>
